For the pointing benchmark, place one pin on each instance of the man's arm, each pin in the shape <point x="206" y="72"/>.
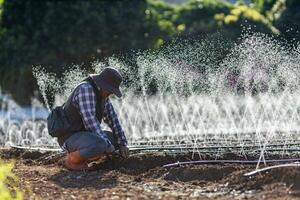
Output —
<point x="110" y="117"/>
<point x="86" y="101"/>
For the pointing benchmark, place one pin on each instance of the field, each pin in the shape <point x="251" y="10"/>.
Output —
<point x="142" y="176"/>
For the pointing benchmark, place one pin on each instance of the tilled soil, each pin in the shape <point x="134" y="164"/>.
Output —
<point x="42" y="176"/>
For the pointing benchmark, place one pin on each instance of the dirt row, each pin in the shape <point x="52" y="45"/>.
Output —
<point x="42" y="176"/>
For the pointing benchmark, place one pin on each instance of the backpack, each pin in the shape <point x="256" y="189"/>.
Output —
<point x="58" y="123"/>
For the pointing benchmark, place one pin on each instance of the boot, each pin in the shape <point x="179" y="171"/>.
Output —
<point x="74" y="161"/>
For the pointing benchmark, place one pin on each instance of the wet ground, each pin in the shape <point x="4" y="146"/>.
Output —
<point x="42" y="176"/>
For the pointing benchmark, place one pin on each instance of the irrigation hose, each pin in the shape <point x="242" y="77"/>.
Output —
<point x="168" y="148"/>
<point x="181" y="149"/>
<point x="176" y="164"/>
<point x="36" y="148"/>
<point x="295" y="164"/>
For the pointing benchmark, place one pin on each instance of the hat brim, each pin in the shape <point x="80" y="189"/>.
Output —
<point x="107" y="87"/>
<point x="115" y="91"/>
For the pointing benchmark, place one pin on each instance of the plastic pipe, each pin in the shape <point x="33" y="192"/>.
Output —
<point x="228" y="161"/>
<point x="295" y="164"/>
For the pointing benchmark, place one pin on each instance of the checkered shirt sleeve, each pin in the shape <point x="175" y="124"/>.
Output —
<point x="110" y="117"/>
<point x="85" y="101"/>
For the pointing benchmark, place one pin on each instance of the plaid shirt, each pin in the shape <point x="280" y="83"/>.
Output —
<point x="85" y="100"/>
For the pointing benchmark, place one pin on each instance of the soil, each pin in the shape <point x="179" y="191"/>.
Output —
<point x="141" y="176"/>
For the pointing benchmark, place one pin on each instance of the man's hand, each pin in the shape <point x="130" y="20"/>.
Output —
<point x="124" y="151"/>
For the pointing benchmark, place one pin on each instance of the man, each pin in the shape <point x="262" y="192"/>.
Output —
<point x="86" y="107"/>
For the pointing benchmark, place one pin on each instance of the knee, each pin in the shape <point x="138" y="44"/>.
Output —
<point x="74" y="157"/>
<point x="97" y="148"/>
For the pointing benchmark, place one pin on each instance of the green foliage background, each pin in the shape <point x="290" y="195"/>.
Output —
<point x="56" y="34"/>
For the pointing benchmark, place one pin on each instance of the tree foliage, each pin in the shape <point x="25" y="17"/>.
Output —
<point x="288" y="21"/>
<point x="60" y="33"/>
<point x="56" y="34"/>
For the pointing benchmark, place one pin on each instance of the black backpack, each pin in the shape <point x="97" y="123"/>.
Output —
<point x="58" y="123"/>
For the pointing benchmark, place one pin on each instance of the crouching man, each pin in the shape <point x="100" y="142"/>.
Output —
<point x="85" y="109"/>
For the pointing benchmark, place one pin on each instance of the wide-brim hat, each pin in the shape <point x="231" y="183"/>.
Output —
<point x="109" y="79"/>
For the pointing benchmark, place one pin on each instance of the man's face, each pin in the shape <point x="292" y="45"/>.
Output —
<point x="105" y="93"/>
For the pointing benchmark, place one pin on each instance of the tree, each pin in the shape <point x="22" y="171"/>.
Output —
<point x="288" y="21"/>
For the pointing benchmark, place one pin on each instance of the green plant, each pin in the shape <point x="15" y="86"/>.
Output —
<point x="245" y="15"/>
<point x="8" y="190"/>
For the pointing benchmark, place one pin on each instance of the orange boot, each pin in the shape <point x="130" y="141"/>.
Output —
<point x="74" y="161"/>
